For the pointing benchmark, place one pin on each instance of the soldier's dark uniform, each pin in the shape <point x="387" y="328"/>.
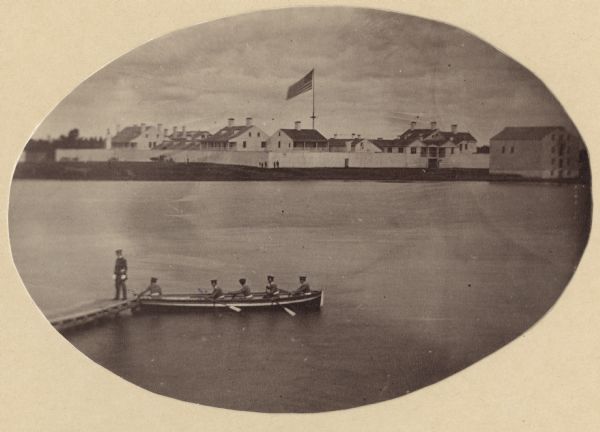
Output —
<point x="120" y="277"/>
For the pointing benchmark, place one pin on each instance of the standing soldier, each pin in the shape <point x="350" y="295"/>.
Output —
<point x="120" y="275"/>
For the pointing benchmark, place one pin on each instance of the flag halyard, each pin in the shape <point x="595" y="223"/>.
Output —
<point x="305" y="84"/>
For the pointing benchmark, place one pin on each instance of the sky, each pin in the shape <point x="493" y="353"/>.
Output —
<point x="375" y="72"/>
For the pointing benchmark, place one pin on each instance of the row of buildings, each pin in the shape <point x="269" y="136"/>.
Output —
<point x="542" y="152"/>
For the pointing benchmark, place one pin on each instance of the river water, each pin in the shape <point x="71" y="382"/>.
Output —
<point x="421" y="279"/>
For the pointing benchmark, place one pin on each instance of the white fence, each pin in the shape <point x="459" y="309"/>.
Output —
<point x="293" y="159"/>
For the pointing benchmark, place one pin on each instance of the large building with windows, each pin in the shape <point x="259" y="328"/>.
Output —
<point x="143" y="137"/>
<point x="297" y="139"/>
<point x="535" y="152"/>
<point x="236" y="138"/>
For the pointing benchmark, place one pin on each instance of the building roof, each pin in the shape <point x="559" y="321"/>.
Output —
<point x="338" y="142"/>
<point x="458" y="136"/>
<point x="227" y="133"/>
<point x="525" y="133"/>
<point x="127" y="134"/>
<point x="304" y="135"/>
<point x="384" y="143"/>
<point x="426" y="135"/>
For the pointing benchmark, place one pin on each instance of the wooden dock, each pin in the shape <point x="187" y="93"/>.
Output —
<point x="89" y="313"/>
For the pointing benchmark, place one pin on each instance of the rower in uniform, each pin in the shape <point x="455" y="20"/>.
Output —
<point x="217" y="292"/>
<point x="271" y="289"/>
<point x="304" y="287"/>
<point x="244" y="291"/>
<point x="154" y="289"/>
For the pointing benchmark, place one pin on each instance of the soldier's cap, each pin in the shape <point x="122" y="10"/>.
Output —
<point x="302" y="277"/>
<point x="119" y="251"/>
<point x="213" y="280"/>
<point x="242" y="280"/>
<point x="270" y="277"/>
<point x="153" y="279"/>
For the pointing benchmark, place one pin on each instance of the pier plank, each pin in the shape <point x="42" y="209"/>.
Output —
<point x="89" y="312"/>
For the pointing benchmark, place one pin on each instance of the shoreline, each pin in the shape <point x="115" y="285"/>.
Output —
<point x="196" y="171"/>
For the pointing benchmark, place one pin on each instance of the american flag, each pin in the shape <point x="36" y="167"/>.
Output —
<point x="304" y="85"/>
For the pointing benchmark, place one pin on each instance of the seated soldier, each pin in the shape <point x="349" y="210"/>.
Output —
<point x="271" y="289"/>
<point x="304" y="287"/>
<point x="154" y="289"/>
<point x="244" y="291"/>
<point x="217" y="292"/>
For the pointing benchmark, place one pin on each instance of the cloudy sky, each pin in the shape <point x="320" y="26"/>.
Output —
<point x="375" y="72"/>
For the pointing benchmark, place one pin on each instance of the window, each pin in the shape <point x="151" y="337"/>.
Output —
<point x="389" y="150"/>
<point x="423" y="152"/>
<point x="258" y="134"/>
<point x="452" y="150"/>
<point x="250" y="134"/>
<point x="279" y="134"/>
<point x="553" y="137"/>
<point x="466" y="146"/>
<point x="569" y="162"/>
<point x="442" y="152"/>
<point x="244" y="144"/>
<point x="279" y="144"/>
<point x="512" y="149"/>
<point x="553" y="161"/>
<point x="553" y="149"/>
<point x="460" y="148"/>
<point x="413" y="150"/>
<point x="503" y="149"/>
<point x="401" y="150"/>
<point x="263" y="144"/>
<point x="560" y="163"/>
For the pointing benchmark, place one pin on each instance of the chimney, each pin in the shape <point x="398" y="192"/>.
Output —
<point x="412" y="125"/>
<point x="433" y="125"/>
<point x="454" y="128"/>
<point x="143" y="126"/>
<point x="230" y="122"/>
<point x="174" y="130"/>
<point x="183" y="130"/>
<point x="248" y="121"/>
<point x="353" y="135"/>
<point x="358" y="136"/>
<point x="165" y="132"/>
<point x="335" y="135"/>
<point x="108" y="141"/>
<point x="297" y="125"/>
<point x="379" y="138"/>
<point x="158" y="128"/>
<point x="118" y="128"/>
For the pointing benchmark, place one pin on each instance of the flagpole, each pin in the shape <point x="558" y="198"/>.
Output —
<point x="313" y="92"/>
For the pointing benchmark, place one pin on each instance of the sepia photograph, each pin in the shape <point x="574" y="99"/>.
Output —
<point x="300" y="210"/>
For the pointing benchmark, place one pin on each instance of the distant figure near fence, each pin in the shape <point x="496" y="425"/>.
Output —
<point x="120" y="275"/>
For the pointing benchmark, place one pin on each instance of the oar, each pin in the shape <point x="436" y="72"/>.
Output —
<point x="288" y="310"/>
<point x="291" y="312"/>
<point x="233" y="308"/>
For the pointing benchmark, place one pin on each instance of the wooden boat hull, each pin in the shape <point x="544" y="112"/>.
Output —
<point x="314" y="300"/>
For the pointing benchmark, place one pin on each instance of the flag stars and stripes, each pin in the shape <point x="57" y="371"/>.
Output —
<point x="305" y="84"/>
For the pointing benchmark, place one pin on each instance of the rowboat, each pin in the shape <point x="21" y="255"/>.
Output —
<point x="312" y="300"/>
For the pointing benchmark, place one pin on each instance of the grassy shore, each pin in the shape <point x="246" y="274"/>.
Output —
<point x="169" y="171"/>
